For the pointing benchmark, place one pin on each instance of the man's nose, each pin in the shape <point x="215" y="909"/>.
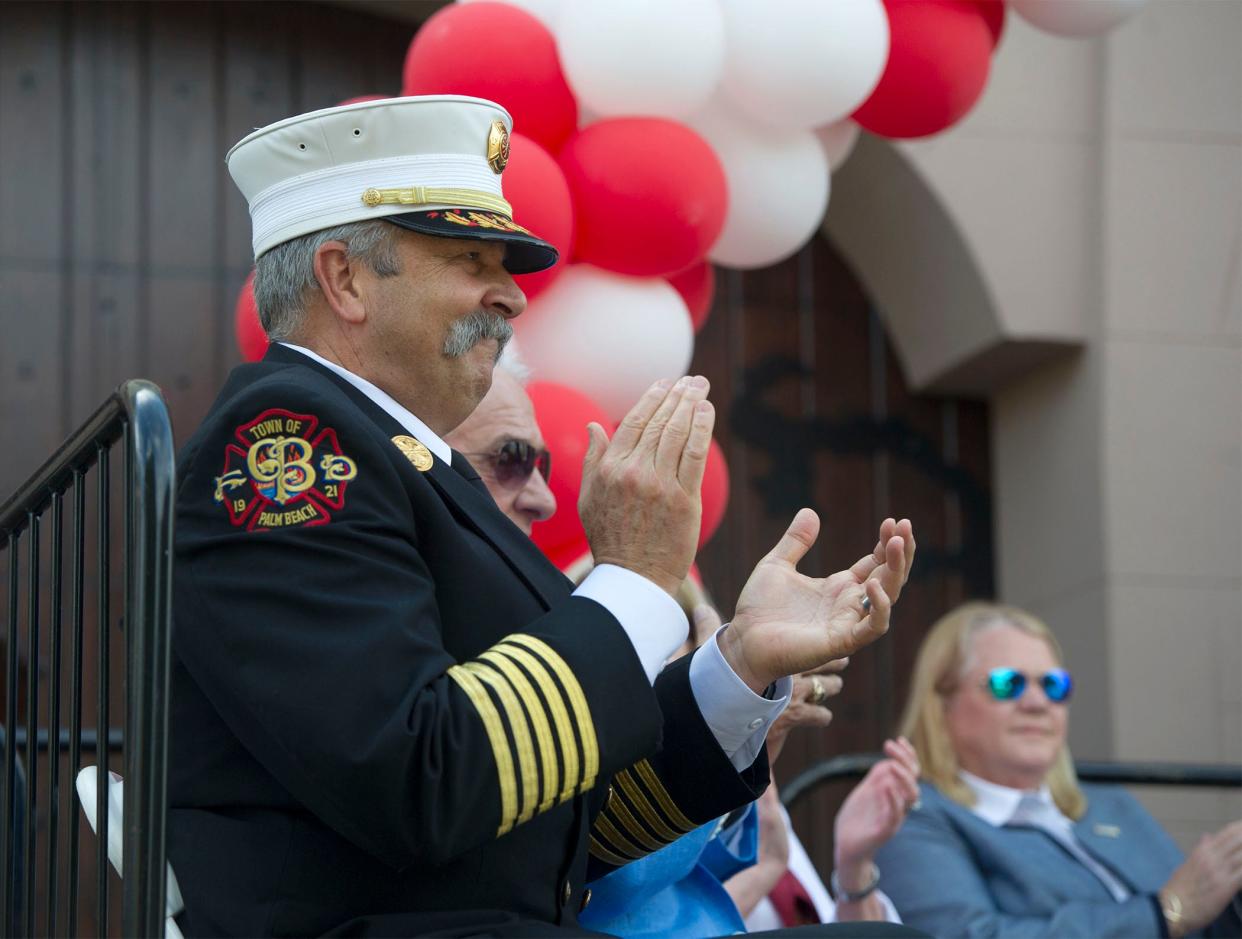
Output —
<point x="536" y="498"/>
<point x="505" y="297"/>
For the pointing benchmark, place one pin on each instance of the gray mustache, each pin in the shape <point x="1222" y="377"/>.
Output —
<point x="469" y="331"/>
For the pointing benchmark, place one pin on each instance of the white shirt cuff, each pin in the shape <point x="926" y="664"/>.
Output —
<point x="651" y="618"/>
<point x="738" y="718"/>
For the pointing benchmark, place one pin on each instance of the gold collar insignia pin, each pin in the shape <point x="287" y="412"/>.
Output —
<point x="415" y="452"/>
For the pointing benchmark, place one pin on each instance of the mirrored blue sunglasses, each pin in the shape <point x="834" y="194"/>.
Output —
<point x="1007" y="684"/>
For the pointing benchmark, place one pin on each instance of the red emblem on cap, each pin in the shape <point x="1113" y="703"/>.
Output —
<point x="284" y="472"/>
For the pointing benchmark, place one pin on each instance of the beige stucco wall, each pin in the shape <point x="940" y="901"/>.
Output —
<point x="1097" y="192"/>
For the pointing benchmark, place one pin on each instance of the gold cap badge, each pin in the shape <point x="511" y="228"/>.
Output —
<point x="415" y="452"/>
<point x="498" y="147"/>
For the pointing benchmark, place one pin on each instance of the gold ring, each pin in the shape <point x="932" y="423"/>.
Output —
<point x="818" y="692"/>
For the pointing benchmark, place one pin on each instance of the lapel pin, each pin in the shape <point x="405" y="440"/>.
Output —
<point x="1106" y="831"/>
<point x="415" y="452"/>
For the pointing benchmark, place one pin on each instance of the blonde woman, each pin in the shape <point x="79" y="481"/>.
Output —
<point x="1005" y="842"/>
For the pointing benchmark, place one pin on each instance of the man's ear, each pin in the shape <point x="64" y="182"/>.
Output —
<point x="337" y="275"/>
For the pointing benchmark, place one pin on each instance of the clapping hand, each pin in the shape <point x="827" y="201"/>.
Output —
<point x="787" y="622"/>
<point x="874" y="810"/>
<point x="1207" y="880"/>
<point x="640" y="501"/>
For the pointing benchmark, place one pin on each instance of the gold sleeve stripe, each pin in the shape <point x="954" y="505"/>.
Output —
<point x="608" y="857"/>
<point x="539" y="722"/>
<point x="521" y="734"/>
<point x="605" y="830"/>
<point x="645" y="808"/>
<point x="577" y="700"/>
<point x="656" y="788"/>
<point x="615" y="809"/>
<point x="500" y="746"/>
<point x="560" y="714"/>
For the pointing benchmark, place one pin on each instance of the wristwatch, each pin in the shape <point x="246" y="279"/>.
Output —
<point x="853" y="896"/>
<point x="1171" y="907"/>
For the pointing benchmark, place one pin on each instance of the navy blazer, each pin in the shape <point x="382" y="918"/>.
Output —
<point x="952" y="874"/>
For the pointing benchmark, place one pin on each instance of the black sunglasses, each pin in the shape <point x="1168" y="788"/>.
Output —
<point x="1006" y="684"/>
<point x="512" y="464"/>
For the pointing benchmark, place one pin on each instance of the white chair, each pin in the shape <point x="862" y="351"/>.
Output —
<point x="87" y="785"/>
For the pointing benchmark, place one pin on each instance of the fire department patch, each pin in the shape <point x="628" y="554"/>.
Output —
<point x="282" y="472"/>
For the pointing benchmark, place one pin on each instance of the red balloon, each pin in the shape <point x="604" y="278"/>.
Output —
<point x="498" y="52"/>
<point x="938" y="62"/>
<point x="536" y="188"/>
<point x="563" y="415"/>
<point x="649" y="195"/>
<point x="252" y="341"/>
<point x="993" y="13"/>
<point x="715" y="492"/>
<point x="697" y="286"/>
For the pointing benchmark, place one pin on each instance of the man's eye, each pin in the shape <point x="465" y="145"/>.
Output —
<point x="473" y="255"/>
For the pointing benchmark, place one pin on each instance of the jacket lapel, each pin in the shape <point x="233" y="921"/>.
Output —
<point x="477" y="509"/>
<point x="1105" y="837"/>
<point x="473" y="506"/>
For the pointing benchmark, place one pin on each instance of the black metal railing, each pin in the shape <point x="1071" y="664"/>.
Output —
<point x="855" y="766"/>
<point x="135" y="416"/>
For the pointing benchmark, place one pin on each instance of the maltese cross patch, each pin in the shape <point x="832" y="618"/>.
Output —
<point x="283" y="471"/>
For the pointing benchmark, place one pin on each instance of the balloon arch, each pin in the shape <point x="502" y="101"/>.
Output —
<point x="657" y="139"/>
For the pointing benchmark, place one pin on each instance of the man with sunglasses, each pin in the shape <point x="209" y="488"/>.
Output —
<point x="501" y="439"/>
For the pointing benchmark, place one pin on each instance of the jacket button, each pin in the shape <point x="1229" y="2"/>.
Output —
<point x="586" y="900"/>
<point x="567" y="893"/>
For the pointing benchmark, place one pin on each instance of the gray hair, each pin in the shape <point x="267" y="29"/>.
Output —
<point x="285" y="273"/>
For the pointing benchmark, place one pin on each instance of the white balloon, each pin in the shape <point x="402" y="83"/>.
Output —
<point x="1075" y="17"/>
<point x="608" y="335"/>
<point x="838" y="141"/>
<point x="546" y="11"/>
<point x="642" y="57"/>
<point x="587" y="117"/>
<point x="778" y="187"/>
<point x="802" y="63"/>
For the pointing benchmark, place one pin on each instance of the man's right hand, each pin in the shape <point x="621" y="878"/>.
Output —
<point x="640" y="502"/>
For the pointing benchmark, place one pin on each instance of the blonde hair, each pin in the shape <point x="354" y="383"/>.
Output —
<point x="943" y="658"/>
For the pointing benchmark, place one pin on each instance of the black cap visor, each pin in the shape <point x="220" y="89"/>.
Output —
<point x="524" y="253"/>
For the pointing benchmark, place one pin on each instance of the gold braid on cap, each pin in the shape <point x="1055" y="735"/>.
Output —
<point x="426" y="195"/>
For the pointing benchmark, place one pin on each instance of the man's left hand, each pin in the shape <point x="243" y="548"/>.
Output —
<point x="787" y="623"/>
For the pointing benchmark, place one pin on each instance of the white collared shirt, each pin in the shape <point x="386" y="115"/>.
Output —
<point x="1000" y="805"/>
<point x="655" y="624"/>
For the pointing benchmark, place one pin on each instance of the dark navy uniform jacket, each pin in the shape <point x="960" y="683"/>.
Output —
<point x="389" y="714"/>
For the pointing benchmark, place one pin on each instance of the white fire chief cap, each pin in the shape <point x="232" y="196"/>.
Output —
<point x="430" y="164"/>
